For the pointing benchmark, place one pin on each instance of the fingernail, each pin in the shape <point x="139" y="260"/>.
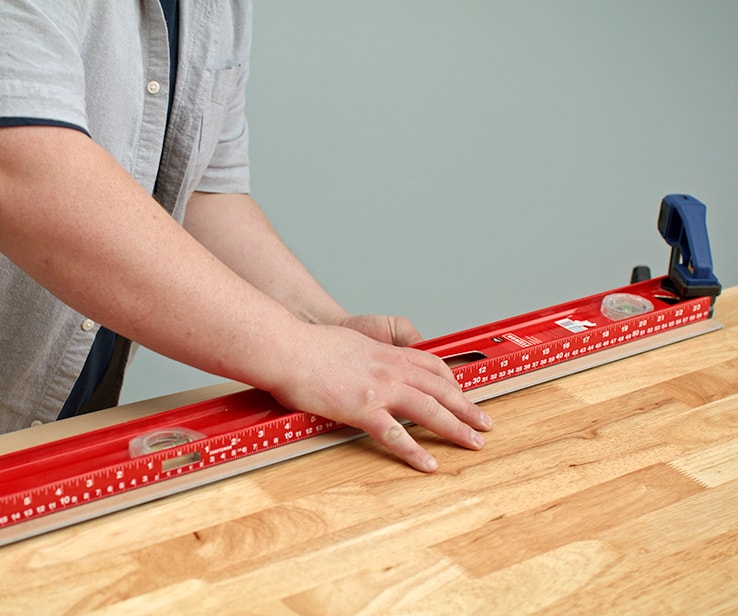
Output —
<point x="430" y="464"/>
<point x="478" y="439"/>
<point x="486" y="419"/>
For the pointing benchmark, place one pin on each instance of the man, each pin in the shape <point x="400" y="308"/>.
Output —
<point x="125" y="214"/>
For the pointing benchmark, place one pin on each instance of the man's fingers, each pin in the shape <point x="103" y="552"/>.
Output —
<point x="438" y="386"/>
<point x="431" y="363"/>
<point x="423" y="410"/>
<point x="404" y="332"/>
<point x="392" y="434"/>
<point x="427" y="411"/>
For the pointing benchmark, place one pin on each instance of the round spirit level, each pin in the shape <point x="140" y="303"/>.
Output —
<point x="617" y="306"/>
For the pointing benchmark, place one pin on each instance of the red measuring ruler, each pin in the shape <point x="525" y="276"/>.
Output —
<point x="102" y="463"/>
<point x="90" y="474"/>
<point x="516" y="346"/>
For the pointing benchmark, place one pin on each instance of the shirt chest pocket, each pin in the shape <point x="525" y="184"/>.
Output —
<point x="223" y="117"/>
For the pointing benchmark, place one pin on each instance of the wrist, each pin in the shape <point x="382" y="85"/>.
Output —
<point x="326" y="315"/>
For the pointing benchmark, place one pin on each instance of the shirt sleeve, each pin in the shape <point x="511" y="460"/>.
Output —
<point x="41" y="69"/>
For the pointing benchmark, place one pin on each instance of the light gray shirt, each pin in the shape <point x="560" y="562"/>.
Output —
<point x="104" y="67"/>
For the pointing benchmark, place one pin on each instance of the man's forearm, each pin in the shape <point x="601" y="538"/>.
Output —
<point x="236" y="231"/>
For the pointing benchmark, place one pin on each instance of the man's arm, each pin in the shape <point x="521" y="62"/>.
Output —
<point x="73" y="219"/>
<point x="234" y="229"/>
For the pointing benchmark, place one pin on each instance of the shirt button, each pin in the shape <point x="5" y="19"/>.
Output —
<point x="153" y="87"/>
<point x="36" y="423"/>
<point x="87" y="324"/>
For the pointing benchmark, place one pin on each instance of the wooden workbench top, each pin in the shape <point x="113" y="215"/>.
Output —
<point x="610" y="491"/>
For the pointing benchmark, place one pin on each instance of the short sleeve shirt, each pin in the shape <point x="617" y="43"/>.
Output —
<point x="103" y="67"/>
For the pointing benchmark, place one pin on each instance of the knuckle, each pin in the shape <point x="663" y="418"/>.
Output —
<point x="431" y="407"/>
<point x="393" y="434"/>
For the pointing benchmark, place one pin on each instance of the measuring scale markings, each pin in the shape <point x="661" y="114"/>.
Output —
<point x="541" y="355"/>
<point x="68" y="485"/>
<point x="538" y="340"/>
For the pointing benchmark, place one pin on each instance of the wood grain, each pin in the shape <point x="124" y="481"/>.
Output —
<point x="613" y="491"/>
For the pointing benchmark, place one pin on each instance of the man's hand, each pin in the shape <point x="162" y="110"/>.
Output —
<point x="344" y="375"/>
<point x="347" y="368"/>
<point x="392" y="330"/>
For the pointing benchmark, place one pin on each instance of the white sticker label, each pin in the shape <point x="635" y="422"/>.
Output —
<point x="575" y="327"/>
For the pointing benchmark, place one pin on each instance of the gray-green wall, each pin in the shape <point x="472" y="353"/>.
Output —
<point x="460" y="162"/>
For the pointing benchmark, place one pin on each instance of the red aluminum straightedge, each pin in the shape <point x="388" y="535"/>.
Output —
<point x="80" y="469"/>
<point x="90" y="467"/>
<point x="533" y="341"/>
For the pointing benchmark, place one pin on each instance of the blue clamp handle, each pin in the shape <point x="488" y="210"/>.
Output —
<point x="682" y="223"/>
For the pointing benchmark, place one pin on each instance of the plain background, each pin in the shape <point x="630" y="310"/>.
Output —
<point x="461" y="162"/>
